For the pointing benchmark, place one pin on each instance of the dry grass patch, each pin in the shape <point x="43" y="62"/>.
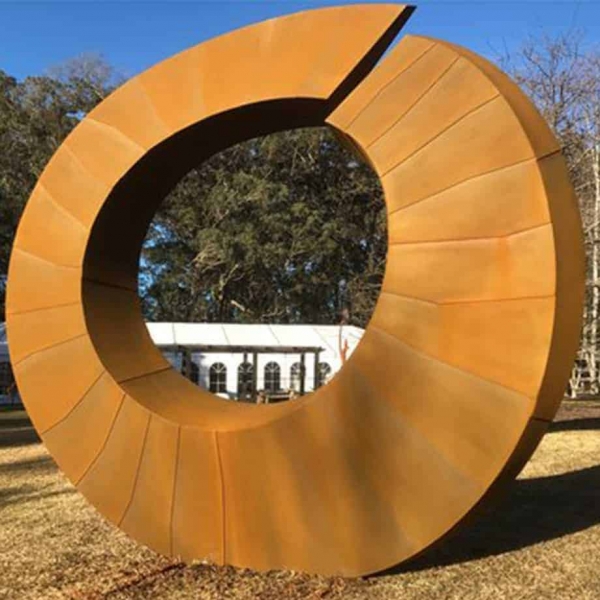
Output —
<point x="541" y="542"/>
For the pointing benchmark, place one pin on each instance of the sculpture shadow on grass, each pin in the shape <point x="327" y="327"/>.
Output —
<point x="29" y="466"/>
<point x="16" y="429"/>
<point x="533" y="511"/>
<point x="585" y="424"/>
<point x="18" y="436"/>
<point x="30" y="493"/>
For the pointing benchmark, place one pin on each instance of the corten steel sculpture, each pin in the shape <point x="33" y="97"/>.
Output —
<point x="460" y="370"/>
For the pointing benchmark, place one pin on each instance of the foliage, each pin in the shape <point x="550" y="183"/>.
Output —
<point x="287" y="228"/>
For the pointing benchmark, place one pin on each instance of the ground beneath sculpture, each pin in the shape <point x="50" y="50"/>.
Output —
<point x="541" y="543"/>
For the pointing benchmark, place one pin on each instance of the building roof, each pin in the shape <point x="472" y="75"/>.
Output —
<point x="226" y="334"/>
<point x="171" y="334"/>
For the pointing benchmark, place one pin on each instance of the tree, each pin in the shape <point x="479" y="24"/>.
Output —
<point x="288" y="228"/>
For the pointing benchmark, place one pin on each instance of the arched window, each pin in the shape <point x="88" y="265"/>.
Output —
<point x="217" y="376"/>
<point x="272" y="377"/>
<point x="245" y="377"/>
<point x="324" y="373"/>
<point x="295" y="376"/>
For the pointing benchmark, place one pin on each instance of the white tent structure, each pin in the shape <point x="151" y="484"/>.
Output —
<point x="224" y="355"/>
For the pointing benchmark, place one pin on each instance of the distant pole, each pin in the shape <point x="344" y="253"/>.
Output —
<point x="343" y="347"/>
<point x="186" y="362"/>
<point x="302" y="373"/>
<point x="244" y="387"/>
<point x="254" y="375"/>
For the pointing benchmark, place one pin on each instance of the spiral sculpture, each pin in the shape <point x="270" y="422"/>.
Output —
<point x="459" y="372"/>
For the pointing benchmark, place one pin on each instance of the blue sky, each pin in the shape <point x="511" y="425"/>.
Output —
<point x="133" y="35"/>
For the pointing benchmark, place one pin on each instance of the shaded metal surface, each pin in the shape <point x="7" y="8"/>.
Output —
<point x="464" y="361"/>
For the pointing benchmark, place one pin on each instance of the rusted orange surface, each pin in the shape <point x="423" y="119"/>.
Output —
<point x="461" y="368"/>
